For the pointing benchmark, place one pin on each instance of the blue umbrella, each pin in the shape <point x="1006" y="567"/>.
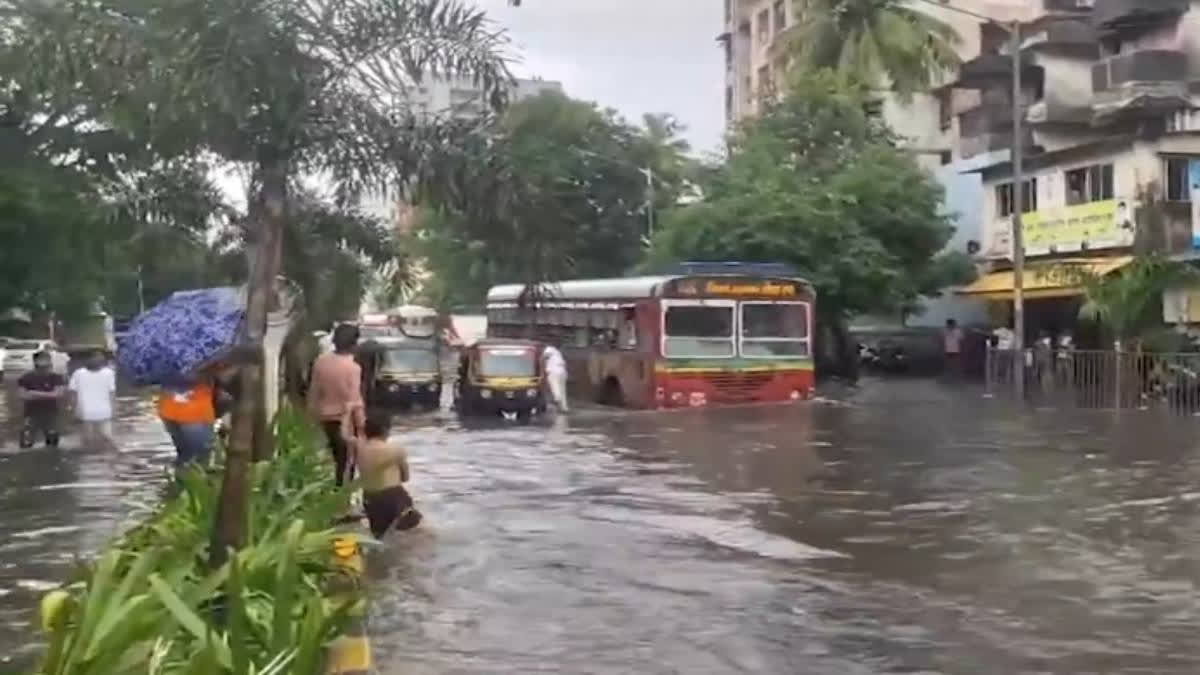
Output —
<point x="171" y="341"/>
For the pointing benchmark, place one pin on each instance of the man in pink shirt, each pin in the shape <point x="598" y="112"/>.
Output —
<point x="335" y="392"/>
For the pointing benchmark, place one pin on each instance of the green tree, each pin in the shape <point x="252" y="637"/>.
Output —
<point x="557" y="191"/>
<point x="817" y="183"/>
<point x="284" y="90"/>
<point x="875" y="42"/>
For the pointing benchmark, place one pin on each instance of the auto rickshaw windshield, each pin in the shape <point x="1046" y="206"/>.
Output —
<point x="507" y="363"/>
<point x="410" y="360"/>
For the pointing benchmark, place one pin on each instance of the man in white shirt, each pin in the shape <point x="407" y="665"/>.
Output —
<point x="95" y="390"/>
<point x="556" y="376"/>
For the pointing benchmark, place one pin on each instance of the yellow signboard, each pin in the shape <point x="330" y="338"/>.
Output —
<point x="1082" y="227"/>
<point x="765" y="289"/>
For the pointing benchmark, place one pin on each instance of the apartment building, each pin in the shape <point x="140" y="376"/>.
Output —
<point x="759" y="35"/>
<point x="460" y="96"/>
<point x="1113" y="139"/>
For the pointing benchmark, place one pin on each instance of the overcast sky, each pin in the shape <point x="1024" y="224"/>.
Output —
<point x="637" y="56"/>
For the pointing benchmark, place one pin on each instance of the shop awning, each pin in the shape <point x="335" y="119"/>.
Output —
<point x="1044" y="279"/>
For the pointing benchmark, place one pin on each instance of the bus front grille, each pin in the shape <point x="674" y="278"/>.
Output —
<point x="738" y="386"/>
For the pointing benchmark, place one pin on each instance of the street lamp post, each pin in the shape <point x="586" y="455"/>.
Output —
<point x="1018" y="230"/>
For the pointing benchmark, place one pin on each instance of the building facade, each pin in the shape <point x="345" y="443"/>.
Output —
<point x="1113" y="142"/>
<point x="461" y="97"/>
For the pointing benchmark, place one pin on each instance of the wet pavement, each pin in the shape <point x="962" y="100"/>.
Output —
<point x="913" y="528"/>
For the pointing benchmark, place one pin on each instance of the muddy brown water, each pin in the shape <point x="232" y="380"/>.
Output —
<point x="912" y="528"/>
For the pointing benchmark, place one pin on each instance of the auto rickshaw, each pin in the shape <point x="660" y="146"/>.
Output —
<point x="498" y="376"/>
<point x="401" y="372"/>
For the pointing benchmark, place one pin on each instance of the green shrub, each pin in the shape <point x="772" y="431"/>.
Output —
<point x="149" y="604"/>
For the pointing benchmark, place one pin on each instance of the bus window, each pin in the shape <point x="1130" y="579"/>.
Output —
<point x="628" y="334"/>
<point x="698" y="331"/>
<point x="774" y="329"/>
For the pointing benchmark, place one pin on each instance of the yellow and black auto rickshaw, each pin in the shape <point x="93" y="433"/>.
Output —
<point x="498" y="376"/>
<point x="401" y="372"/>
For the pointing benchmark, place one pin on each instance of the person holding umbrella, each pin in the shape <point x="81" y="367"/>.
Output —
<point x="188" y="411"/>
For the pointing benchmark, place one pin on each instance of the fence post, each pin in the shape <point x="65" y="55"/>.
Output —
<point x="1117" y="377"/>
<point x="987" y="370"/>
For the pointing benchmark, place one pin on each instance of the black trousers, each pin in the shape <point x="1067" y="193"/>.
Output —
<point x="390" y="507"/>
<point x="40" y="422"/>
<point x="341" y="453"/>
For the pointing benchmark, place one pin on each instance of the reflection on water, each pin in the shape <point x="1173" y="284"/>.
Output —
<point x="912" y="529"/>
<point x="62" y="504"/>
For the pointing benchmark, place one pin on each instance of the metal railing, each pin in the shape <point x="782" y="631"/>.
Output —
<point x="1100" y="379"/>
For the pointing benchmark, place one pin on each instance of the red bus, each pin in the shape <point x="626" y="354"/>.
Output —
<point x="704" y="336"/>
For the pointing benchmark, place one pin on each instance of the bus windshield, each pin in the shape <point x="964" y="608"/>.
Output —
<point x="410" y="360"/>
<point x="507" y="363"/>
<point x="698" y="331"/>
<point x="774" y="330"/>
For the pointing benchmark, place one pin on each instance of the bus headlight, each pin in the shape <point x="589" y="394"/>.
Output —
<point x="531" y="392"/>
<point x="795" y="395"/>
<point x="485" y="393"/>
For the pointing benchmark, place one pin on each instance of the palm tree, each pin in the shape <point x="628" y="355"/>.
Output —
<point x="284" y="90"/>
<point x="875" y="42"/>
<point x="1129" y="302"/>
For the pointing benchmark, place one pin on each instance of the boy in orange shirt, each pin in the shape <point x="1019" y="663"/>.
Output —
<point x="188" y="412"/>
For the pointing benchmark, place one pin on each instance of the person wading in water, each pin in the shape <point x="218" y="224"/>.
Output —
<point x="384" y="470"/>
<point x="335" y="392"/>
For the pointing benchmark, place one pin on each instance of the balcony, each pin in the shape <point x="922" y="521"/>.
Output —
<point x="1118" y="15"/>
<point x="988" y="127"/>
<point x="1145" y="65"/>
<point x="1145" y="82"/>
<point x="987" y="70"/>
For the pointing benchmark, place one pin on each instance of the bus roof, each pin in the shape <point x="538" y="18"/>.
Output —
<point x="631" y="288"/>
<point x="628" y="288"/>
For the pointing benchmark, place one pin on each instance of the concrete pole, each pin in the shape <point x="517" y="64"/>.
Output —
<point x="1018" y="235"/>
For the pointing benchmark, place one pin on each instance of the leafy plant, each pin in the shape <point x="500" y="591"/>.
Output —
<point x="1128" y="302"/>
<point x="150" y="604"/>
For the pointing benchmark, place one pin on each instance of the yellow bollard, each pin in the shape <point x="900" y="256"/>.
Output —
<point x="350" y="654"/>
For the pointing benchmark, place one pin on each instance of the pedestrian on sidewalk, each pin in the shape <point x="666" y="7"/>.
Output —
<point x="334" y="393"/>
<point x="188" y="411"/>
<point x="952" y="339"/>
<point x="556" y="376"/>
<point x="95" y="390"/>
<point x="41" y="389"/>
<point x="384" y="470"/>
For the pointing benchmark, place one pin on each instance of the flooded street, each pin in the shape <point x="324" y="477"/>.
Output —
<point x="916" y="528"/>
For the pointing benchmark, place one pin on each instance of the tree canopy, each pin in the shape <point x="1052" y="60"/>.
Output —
<point x="875" y="43"/>
<point x="818" y="183"/>
<point x="559" y="190"/>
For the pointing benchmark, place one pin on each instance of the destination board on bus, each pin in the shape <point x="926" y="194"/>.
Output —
<point x="734" y="287"/>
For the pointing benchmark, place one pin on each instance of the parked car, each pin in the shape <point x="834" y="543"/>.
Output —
<point x="18" y="356"/>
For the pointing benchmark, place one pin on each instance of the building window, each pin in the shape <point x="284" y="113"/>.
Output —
<point x="1178" y="184"/>
<point x="728" y="103"/>
<point x="1004" y="198"/>
<point x="945" y="99"/>
<point x="946" y="157"/>
<point x="747" y="89"/>
<point x="764" y="80"/>
<point x="728" y="10"/>
<point x="780" y="15"/>
<point x="1089" y="184"/>
<point x="764" y="27"/>
<point x="873" y="108"/>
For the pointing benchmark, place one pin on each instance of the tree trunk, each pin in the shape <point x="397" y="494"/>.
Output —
<point x="229" y="530"/>
<point x="847" y="355"/>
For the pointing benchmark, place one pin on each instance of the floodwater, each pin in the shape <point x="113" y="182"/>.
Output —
<point x="913" y="527"/>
